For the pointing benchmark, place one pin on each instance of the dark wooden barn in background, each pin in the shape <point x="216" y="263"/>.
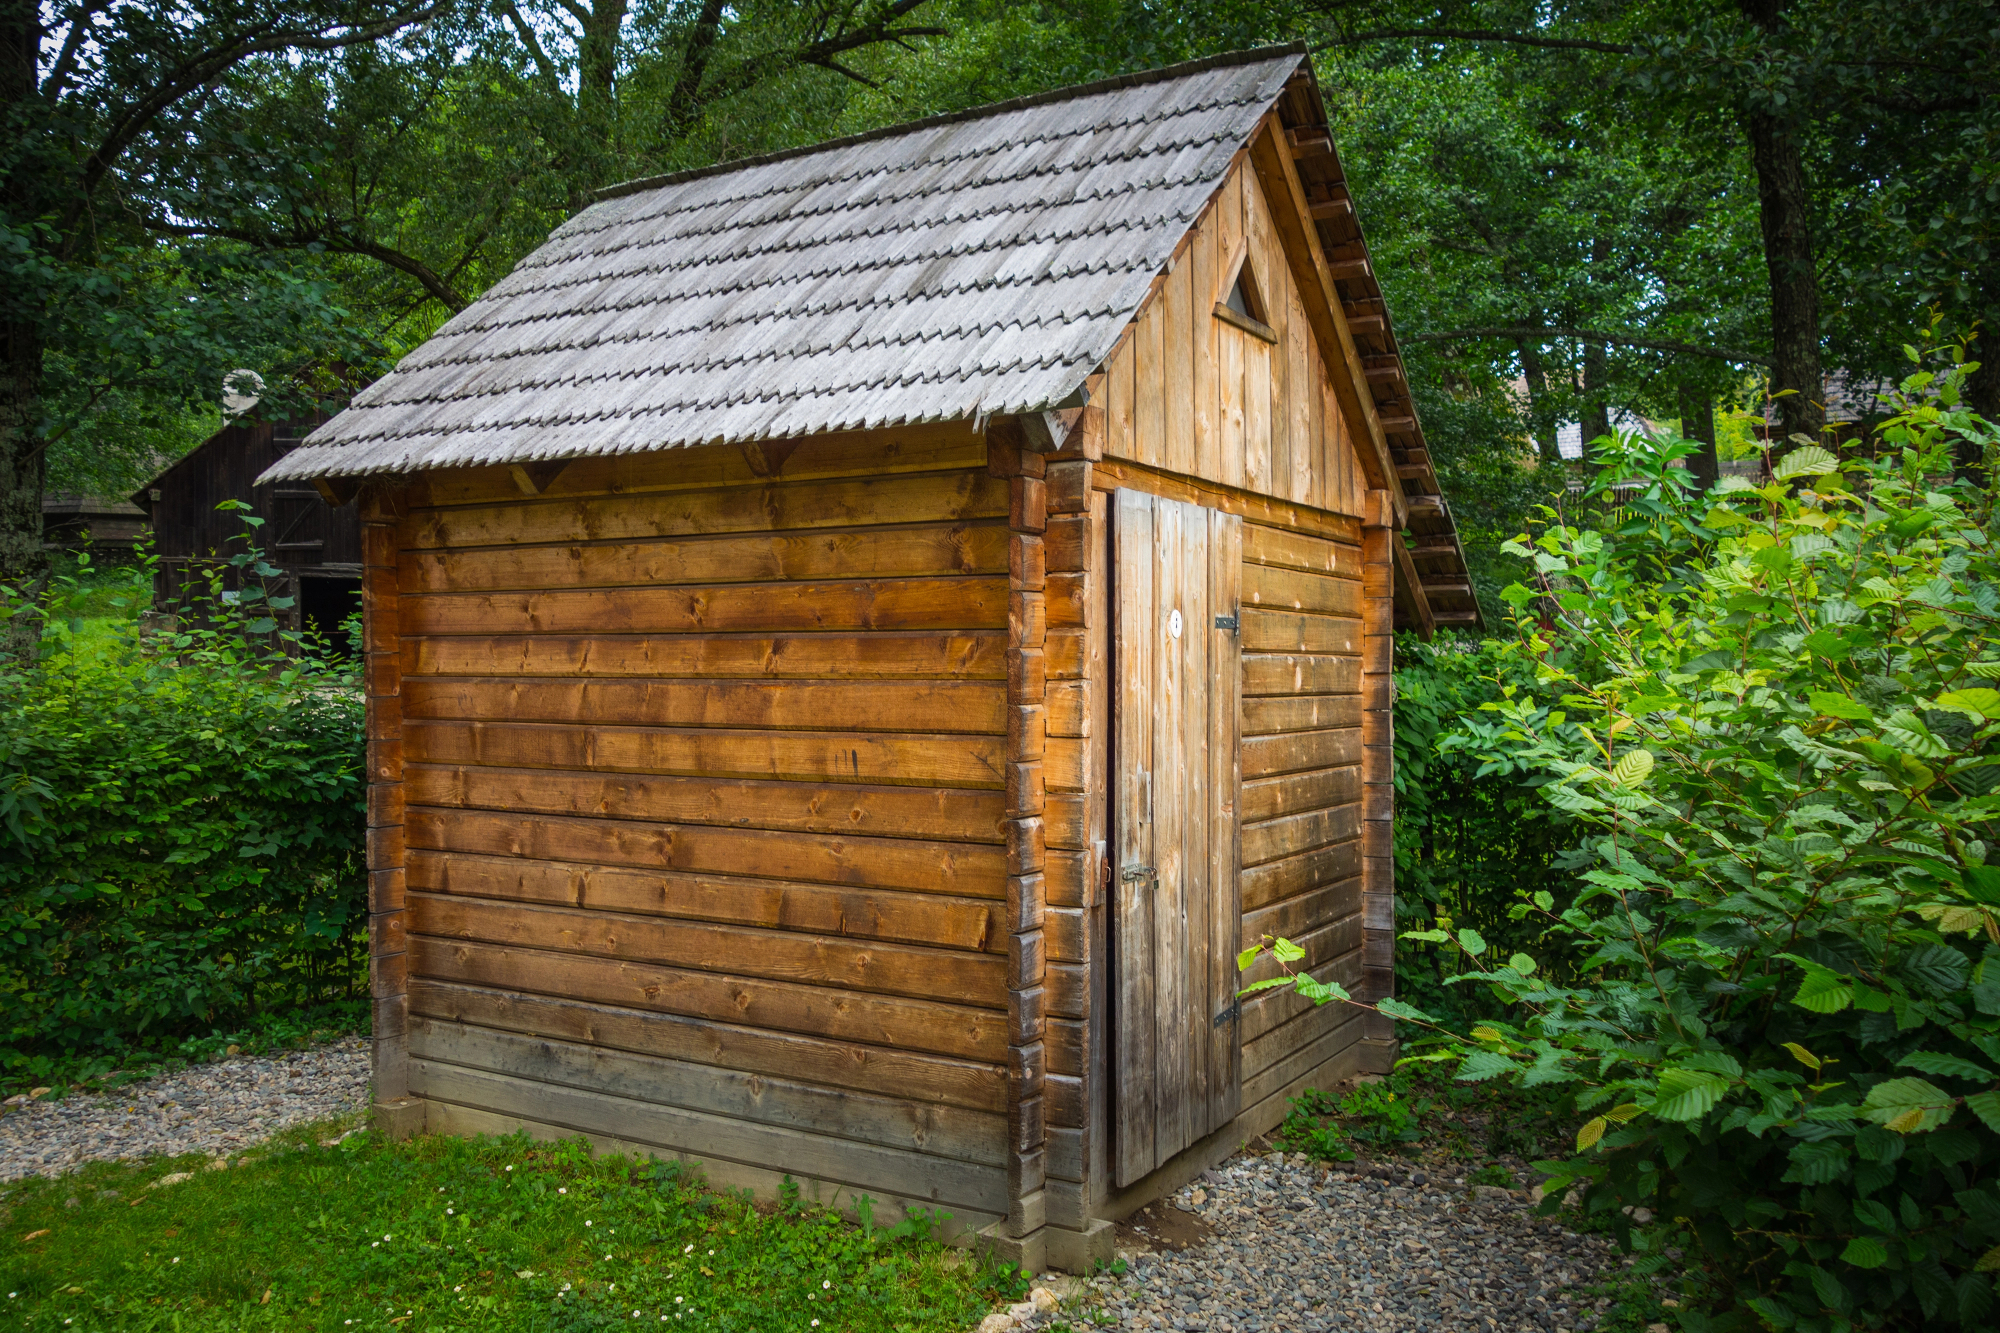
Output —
<point x="858" y="640"/>
<point x="317" y="545"/>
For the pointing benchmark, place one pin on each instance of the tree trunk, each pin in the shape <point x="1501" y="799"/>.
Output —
<point x="23" y="566"/>
<point x="1596" y="387"/>
<point x="597" y="70"/>
<point x="1784" y="206"/>
<point x="1698" y="424"/>
<point x="1537" y="382"/>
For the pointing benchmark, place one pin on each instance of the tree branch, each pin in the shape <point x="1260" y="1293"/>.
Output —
<point x="332" y="239"/>
<point x="532" y="42"/>
<point x="1595" y="336"/>
<point x="1477" y="35"/>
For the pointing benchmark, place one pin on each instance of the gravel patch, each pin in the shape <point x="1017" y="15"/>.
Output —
<point x="214" y="1108"/>
<point x="1302" y="1249"/>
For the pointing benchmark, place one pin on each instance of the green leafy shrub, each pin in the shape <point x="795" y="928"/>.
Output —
<point x="1472" y="833"/>
<point x="181" y="825"/>
<point x="1380" y="1115"/>
<point x="1784" y="1020"/>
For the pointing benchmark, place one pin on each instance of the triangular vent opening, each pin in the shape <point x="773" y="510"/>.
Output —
<point x="1244" y="298"/>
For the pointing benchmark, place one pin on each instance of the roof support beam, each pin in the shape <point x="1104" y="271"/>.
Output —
<point x="1271" y="157"/>
<point x="1411" y="596"/>
<point x="337" y="491"/>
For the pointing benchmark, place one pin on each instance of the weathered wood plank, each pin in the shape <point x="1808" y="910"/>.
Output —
<point x="1290" y="752"/>
<point x="902" y="918"/>
<point x="818" y="705"/>
<point x="1278" y="589"/>
<point x="961" y="1031"/>
<point x="1312" y="712"/>
<point x="1218" y="1046"/>
<point x="980" y="656"/>
<point x="883" y="757"/>
<point x="1275" y="881"/>
<point x="1296" y="673"/>
<point x="911" y="1075"/>
<point x="755" y="558"/>
<point x="1288" y="548"/>
<point x="973" y="870"/>
<point x="756" y="1098"/>
<point x="1287" y="632"/>
<point x="710" y="1136"/>
<point x="1290" y="835"/>
<point x="955" y="814"/>
<point x="953" y="976"/>
<point x="936" y="447"/>
<point x="1135" y="708"/>
<point x="944" y="603"/>
<point x="943" y="497"/>
<point x="1177" y="367"/>
<point x="1314" y="789"/>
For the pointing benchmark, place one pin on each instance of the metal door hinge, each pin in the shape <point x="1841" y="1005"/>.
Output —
<point x="1232" y="623"/>
<point x="1231" y="1014"/>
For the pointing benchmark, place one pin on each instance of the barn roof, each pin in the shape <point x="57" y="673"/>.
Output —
<point x="975" y="264"/>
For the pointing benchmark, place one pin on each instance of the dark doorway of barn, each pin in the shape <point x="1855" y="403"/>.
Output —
<point x="323" y="604"/>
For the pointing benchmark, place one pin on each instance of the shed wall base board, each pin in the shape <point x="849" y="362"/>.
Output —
<point x="403" y="1118"/>
<point x="1379" y="1057"/>
<point x="764" y="1185"/>
<point x="1060" y="1248"/>
<point x="1264" y="1116"/>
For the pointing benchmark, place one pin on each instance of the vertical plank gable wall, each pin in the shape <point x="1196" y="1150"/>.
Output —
<point x="705" y="763"/>
<point x="1189" y="395"/>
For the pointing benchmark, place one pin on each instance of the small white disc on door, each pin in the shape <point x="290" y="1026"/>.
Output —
<point x="1174" y="624"/>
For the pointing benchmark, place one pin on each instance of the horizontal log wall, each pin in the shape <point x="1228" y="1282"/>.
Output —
<point x="706" y="763"/>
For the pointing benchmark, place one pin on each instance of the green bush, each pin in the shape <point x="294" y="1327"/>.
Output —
<point x="1472" y="834"/>
<point x="1783" y="1012"/>
<point x="181" y="824"/>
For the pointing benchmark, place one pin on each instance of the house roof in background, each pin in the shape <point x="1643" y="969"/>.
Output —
<point x="976" y="264"/>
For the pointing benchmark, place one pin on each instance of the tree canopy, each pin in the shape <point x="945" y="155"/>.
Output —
<point x="1578" y="209"/>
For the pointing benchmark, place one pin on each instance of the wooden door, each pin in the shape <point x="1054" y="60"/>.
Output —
<point x="1176" y="1061"/>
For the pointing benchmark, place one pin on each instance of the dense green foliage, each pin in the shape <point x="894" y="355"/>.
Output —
<point x="181" y="828"/>
<point x="1472" y="835"/>
<point x="1775" y="734"/>
<point x="454" y="1233"/>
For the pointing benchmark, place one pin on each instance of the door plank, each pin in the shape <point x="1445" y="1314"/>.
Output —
<point x="1224" y="1043"/>
<point x="1132" y="534"/>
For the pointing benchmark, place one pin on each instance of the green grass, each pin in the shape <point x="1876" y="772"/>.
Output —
<point x="447" y="1233"/>
<point x="274" y="1030"/>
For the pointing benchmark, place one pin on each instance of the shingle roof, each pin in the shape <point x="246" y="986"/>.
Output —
<point x="981" y="263"/>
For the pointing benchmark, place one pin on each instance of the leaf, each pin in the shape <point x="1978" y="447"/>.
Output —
<point x="1838" y="705"/>
<point x="1247" y="957"/>
<point x="1471" y="941"/>
<point x="1823" y="992"/>
<point x="1984" y="670"/>
<point x="1907" y="1105"/>
<point x="1688" y="1094"/>
<point x="1482" y="1065"/>
<point x="1981" y="703"/>
<point x="1397" y="1009"/>
<point x="1633" y="768"/>
<point x="1989" y="1262"/>
<point x="1802" y="1055"/>
<point x="1809" y="461"/>
<point x="1286" y="952"/>
<point x="1986" y="1105"/>
<point x="1591" y="1133"/>
<point x="1523" y="964"/>
<point x="1620" y="1114"/>
<point x="1865" y="1252"/>
<point x="1950" y="1066"/>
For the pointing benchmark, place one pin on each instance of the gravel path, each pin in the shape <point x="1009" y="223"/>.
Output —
<point x="1298" y="1248"/>
<point x="214" y="1108"/>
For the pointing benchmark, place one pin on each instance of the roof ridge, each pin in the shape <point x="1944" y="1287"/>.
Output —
<point x="1165" y="74"/>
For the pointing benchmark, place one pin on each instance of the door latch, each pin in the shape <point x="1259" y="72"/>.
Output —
<point x="1231" y="1014"/>
<point x="1146" y="875"/>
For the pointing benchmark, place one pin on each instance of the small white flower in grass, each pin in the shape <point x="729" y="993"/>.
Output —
<point x="688" y="1250"/>
<point x="826" y="1285"/>
<point x="562" y="1189"/>
<point x="590" y="1224"/>
<point x="177" y="1258"/>
<point x="447" y="1212"/>
<point x="375" y="1245"/>
<point x="711" y="1251"/>
<point x="510" y="1168"/>
<point x="815" y="1323"/>
<point x="679" y="1299"/>
<point x="388" y="1237"/>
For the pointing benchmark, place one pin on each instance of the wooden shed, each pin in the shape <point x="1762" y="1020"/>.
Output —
<point x="316" y="544"/>
<point x="859" y="638"/>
